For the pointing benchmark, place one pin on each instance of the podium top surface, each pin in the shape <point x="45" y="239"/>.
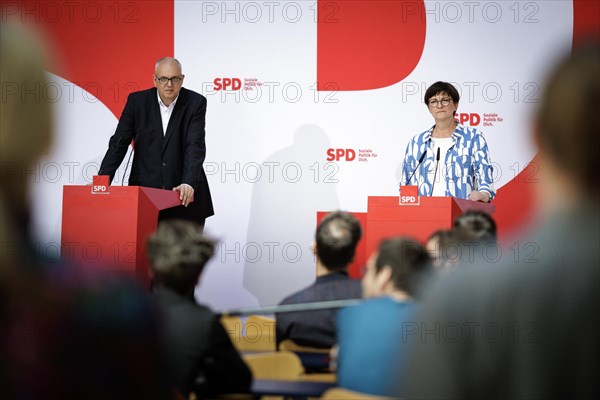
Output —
<point x="160" y="198"/>
<point x="426" y="201"/>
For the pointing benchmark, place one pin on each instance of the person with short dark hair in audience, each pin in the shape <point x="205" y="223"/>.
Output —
<point x="530" y="328"/>
<point x="434" y="245"/>
<point x="480" y="223"/>
<point x="370" y="335"/>
<point x="197" y="346"/>
<point x="449" y="249"/>
<point x="336" y="239"/>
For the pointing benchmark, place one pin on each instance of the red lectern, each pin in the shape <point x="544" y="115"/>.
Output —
<point x="109" y="231"/>
<point x="386" y="218"/>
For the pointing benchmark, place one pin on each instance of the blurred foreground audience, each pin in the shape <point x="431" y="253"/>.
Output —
<point x="471" y="241"/>
<point x="451" y="249"/>
<point x="481" y="224"/>
<point x="199" y="350"/>
<point x="372" y="336"/>
<point x="64" y="333"/>
<point x="432" y="245"/>
<point x="336" y="239"/>
<point x="529" y="329"/>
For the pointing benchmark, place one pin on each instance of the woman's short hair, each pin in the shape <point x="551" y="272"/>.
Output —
<point x="442" y="87"/>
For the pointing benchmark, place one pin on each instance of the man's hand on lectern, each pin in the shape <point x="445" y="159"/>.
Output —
<point x="186" y="193"/>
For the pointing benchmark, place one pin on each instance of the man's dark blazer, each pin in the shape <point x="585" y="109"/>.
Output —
<point x="197" y="344"/>
<point x="164" y="161"/>
<point x="317" y="328"/>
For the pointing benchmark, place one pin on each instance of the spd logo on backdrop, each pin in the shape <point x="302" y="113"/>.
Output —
<point x="360" y="155"/>
<point x="227" y="84"/>
<point x="470" y="119"/>
<point x="476" y="119"/>
<point x="236" y="84"/>
<point x="341" y="154"/>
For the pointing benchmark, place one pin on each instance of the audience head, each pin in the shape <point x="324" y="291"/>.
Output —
<point x="566" y="129"/>
<point x="178" y="252"/>
<point x="434" y="245"/>
<point x="448" y="249"/>
<point x="398" y="266"/>
<point x="336" y="240"/>
<point x="481" y="224"/>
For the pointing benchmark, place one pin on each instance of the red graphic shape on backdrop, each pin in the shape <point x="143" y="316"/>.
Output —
<point x="364" y="45"/>
<point x="107" y="48"/>
<point x="515" y="202"/>
<point x="586" y="24"/>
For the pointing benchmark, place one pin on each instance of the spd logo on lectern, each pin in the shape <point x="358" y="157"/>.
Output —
<point x="409" y="195"/>
<point x="101" y="184"/>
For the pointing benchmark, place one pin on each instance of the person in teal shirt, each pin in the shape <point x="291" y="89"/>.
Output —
<point x="372" y="336"/>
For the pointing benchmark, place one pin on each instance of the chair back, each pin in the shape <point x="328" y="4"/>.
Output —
<point x="282" y="365"/>
<point x="290" y="345"/>
<point x="233" y="325"/>
<point x="338" y="393"/>
<point x="258" y="334"/>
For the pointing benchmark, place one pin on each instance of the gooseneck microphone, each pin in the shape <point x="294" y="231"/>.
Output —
<point x="127" y="163"/>
<point x="437" y="163"/>
<point x="417" y="167"/>
<point x="133" y="144"/>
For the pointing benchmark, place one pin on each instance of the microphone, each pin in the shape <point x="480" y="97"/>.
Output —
<point x="129" y="158"/>
<point x="419" y="163"/>
<point x="437" y="162"/>
<point x="127" y="163"/>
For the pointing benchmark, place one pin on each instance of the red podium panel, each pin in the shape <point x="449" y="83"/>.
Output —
<point x="386" y="218"/>
<point x="109" y="231"/>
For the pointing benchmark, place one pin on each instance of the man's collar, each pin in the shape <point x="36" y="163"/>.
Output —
<point x="160" y="102"/>
<point x="333" y="275"/>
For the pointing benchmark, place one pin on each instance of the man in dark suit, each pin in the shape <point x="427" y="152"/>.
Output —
<point x="166" y="124"/>
<point x="197" y="347"/>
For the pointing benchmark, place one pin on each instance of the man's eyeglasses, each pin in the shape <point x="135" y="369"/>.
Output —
<point x="175" y="80"/>
<point x="443" y="102"/>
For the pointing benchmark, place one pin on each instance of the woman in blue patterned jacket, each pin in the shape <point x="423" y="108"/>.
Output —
<point x="449" y="159"/>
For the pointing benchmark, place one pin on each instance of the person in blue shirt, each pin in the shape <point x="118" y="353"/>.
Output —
<point x="372" y="336"/>
<point x="464" y="169"/>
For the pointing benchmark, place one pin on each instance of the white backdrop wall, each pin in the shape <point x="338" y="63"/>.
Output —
<point x="267" y="161"/>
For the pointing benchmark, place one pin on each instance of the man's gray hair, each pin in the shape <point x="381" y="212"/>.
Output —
<point x="171" y="59"/>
